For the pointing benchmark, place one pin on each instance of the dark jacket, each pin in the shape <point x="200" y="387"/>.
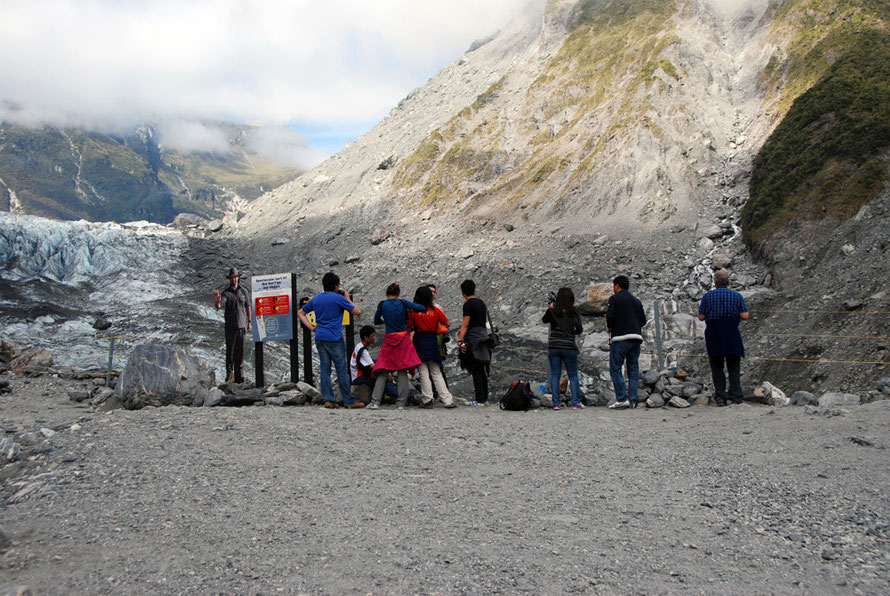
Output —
<point x="563" y="329"/>
<point x="625" y="317"/>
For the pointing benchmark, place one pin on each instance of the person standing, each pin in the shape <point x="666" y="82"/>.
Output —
<point x="235" y="302"/>
<point x="472" y="339"/>
<point x="397" y="354"/>
<point x="721" y="309"/>
<point x="565" y="324"/>
<point x="329" y="341"/>
<point x="424" y="328"/>
<point x="625" y="319"/>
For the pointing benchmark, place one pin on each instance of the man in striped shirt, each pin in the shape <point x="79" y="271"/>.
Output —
<point x="722" y="309"/>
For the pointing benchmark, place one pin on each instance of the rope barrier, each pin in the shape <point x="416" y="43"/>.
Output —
<point x="824" y="335"/>
<point x="822" y="312"/>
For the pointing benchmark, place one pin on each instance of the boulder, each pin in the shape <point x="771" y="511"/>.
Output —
<point x="650" y="377"/>
<point x="294" y="397"/>
<point x="8" y="350"/>
<point x="378" y="236"/>
<point x="32" y="359"/>
<point x="595" y="299"/>
<point x="214" y="397"/>
<point x="769" y="394"/>
<point x="678" y="402"/>
<point x="803" y="398"/>
<point x="839" y="399"/>
<point x="312" y="394"/>
<point x="884" y="385"/>
<point x="160" y="375"/>
<point x="655" y="401"/>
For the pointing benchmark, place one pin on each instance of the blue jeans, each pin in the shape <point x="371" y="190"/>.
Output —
<point x="628" y="351"/>
<point x="334" y="351"/>
<point x="570" y="358"/>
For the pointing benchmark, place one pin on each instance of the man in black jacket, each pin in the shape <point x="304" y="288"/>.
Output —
<point x="625" y="319"/>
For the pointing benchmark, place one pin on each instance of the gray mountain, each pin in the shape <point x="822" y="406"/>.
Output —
<point x="595" y="137"/>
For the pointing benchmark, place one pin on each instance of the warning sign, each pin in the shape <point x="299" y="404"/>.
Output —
<point x="272" y="297"/>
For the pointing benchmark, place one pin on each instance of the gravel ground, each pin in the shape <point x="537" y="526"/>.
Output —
<point x="473" y="500"/>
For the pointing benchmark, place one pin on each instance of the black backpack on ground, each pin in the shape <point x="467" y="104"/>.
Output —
<point x="518" y="397"/>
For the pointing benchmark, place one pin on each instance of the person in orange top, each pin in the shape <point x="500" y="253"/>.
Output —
<point x="424" y="327"/>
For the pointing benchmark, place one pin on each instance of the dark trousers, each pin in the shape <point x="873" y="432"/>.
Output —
<point x="480" y="382"/>
<point x="733" y="365"/>
<point x="235" y="353"/>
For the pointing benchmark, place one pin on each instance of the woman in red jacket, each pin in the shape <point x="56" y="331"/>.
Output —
<point x="424" y="327"/>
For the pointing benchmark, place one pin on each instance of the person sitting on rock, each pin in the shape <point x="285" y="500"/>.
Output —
<point x="361" y="365"/>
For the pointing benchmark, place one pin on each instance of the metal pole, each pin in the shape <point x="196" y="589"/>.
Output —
<point x="349" y="332"/>
<point x="258" y="353"/>
<point x="110" y="360"/>
<point x="295" y="333"/>
<point x="307" y="348"/>
<point x="658" y="346"/>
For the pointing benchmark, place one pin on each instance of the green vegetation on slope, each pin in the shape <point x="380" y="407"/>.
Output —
<point x="608" y="41"/>
<point x="825" y="158"/>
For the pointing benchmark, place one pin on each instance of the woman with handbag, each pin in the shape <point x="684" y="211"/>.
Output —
<point x="565" y="324"/>
<point x="424" y="327"/>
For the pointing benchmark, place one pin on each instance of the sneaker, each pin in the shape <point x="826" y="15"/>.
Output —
<point x="620" y="405"/>
<point x="451" y="406"/>
<point x="472" y="403"/>
<point x="720" y="402"/>
<point x="577" y="406"/>
<point x="557" y="407"/>
<point x="633" y="404"/>
<point x="482" y="404"/>
<point x="428" y="404"/>
<point x="373" y="406"/>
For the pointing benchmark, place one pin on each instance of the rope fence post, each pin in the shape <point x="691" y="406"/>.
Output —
<point x="110" y="360"/>
<point x="659" y="348"/>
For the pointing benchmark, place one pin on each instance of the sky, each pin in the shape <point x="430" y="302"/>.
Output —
<point x="316" y="73"/>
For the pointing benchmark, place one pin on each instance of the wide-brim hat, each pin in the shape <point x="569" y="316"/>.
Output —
<point x="233" y="272"/>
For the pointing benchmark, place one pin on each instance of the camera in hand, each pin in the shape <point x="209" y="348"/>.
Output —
<point x="551" y="297"/>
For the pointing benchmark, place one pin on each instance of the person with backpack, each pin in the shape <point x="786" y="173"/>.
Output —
<point x="424" y="328"/>
<point x="361" y="365"/>
<point x="397" y="354"/>
<point x="565" y="324"/>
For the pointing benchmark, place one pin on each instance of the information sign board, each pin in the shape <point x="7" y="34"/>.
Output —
<point x="272" y="307"/>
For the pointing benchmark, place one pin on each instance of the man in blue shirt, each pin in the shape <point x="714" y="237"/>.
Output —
<point x="329" y="341"/>
<point x="722" y="309"/>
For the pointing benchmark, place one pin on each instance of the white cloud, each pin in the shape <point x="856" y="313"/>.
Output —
<point x="107" y="63"/>
<point x="192" y="136"/>
<point x="284" y="145"/>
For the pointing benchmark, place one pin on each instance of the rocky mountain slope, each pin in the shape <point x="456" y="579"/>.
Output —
<point x="593" y="138"/>
<point x="70" y="173"/>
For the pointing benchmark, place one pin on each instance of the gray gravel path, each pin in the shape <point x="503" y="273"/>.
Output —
<point x="473" y="500"/>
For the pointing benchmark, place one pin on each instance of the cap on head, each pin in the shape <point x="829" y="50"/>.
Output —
<point x="233" y="272"/>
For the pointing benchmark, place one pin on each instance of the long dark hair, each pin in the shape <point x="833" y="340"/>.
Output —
<point x="424" y="296"/>
<point x="565" y="302"/>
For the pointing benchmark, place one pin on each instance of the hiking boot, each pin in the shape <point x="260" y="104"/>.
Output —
<point x="373" y="406"/>
<point x="356" y="405"/>
<point x="331" y="405"/>
<point x="620" y="405"/>
<point x="633" y="404"/>
<point x="230" y="378"/>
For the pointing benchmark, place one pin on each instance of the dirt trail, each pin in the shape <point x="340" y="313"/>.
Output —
<point x="473" y="500"/>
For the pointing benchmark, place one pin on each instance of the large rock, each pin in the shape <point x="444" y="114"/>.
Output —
<point x="839" y="399"/>
<point x="312" y="394"/>
<point x="32" y="359"/>
<point x="160" y="375"/>
<point x="655" y="401"/>
<point x="803" y="398"/>
<point x="595" y="299"/>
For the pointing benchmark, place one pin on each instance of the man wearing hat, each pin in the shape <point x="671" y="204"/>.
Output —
<point x="236" y="303"/>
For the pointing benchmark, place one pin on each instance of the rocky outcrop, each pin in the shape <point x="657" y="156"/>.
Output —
<point x="160" y="375"/>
